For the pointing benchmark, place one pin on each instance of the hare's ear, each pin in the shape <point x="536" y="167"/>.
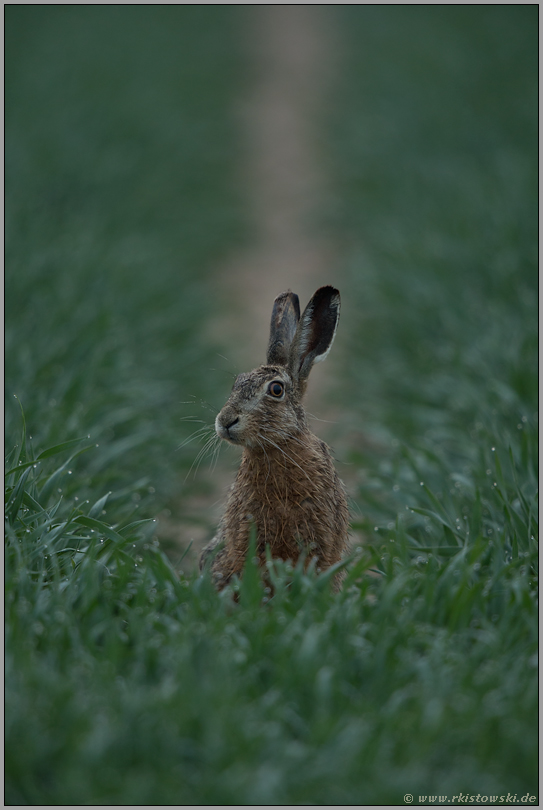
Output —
<point x="315" y="333"/>
<point x="284" y="320"/>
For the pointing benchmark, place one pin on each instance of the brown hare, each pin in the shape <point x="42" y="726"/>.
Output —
<point x="286" y="486"/>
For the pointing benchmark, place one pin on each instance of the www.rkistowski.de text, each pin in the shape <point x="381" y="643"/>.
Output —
<point x="473" y="798"/>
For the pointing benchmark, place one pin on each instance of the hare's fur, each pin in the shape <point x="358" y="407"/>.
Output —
<point x="286" y="486"/>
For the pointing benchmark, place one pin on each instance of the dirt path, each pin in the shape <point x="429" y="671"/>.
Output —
<point x="291" y="52"/>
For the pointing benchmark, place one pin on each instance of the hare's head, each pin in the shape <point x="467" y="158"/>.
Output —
<point x="265" y="407"/>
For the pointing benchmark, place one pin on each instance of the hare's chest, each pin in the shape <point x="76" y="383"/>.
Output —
<point x="288" y="524"/>
<point x="285" y="503"/>
<point x="293" y="498"/>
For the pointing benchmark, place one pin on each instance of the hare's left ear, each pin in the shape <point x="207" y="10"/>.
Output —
<point x="315" y="333"/>
<point x="284" y="320"/>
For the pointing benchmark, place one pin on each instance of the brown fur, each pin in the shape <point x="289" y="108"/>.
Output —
<point x="286" y="486"/>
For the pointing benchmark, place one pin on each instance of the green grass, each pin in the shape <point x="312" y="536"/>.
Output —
<point x="128" y="682"/>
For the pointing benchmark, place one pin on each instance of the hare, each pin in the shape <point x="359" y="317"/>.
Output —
<point x="286" y="486"/>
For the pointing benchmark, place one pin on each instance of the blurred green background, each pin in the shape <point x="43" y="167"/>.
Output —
<point x="437" y="188"/>
<point x="130" y="682"/>
<point x="121" y="200"/>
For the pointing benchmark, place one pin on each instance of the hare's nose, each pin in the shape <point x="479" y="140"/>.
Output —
<point x="224" y="425"/>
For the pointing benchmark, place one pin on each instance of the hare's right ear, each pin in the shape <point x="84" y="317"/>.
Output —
<point x="284" y="321"/>
<point x="315" y="333"/>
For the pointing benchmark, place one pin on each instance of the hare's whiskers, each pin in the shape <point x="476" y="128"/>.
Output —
<point x="197" y="434"/>
<point x="216" y="452"/>
<point x="318" y="419"/>
<point x="201" y="455"/>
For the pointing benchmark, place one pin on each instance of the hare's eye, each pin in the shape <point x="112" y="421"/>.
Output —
<point x="276" y="389"/>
